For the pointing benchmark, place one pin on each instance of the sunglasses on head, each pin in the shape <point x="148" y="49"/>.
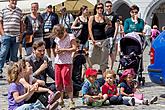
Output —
<point x="99" y="7"/>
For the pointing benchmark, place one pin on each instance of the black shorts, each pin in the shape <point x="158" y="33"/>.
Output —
<point x="50" y="43"/>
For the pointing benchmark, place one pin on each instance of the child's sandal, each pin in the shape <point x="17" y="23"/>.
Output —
<point x="54" y="97"/>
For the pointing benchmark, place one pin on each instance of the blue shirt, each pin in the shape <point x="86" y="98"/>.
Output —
<point x="127" y="89"/>
<point x="91" y="89"/>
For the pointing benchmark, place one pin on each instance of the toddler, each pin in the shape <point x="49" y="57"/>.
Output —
<point x="92" y="95"/>
<point x="109" y="89"/>
<point x="128" y="89"/>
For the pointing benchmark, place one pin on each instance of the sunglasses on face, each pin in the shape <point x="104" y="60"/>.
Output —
<point x="99" y="8"/>
<point x="108" y="6"/>
<point x="134" y="12"/>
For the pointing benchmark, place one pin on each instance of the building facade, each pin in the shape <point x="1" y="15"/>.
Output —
<point x="151" y="11"/>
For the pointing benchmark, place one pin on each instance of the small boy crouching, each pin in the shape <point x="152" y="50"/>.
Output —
<point x="92" y="95"/>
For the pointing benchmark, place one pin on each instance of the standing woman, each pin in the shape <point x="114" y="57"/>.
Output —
<point x="81" y="22"/>
<point x="33" y="26"/>
<point x="98" y="45"/>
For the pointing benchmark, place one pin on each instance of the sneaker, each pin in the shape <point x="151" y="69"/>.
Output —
<point x="72" y="105"/>
<point x="132" y="102"/>
<point x="145" y="102"/>
<point x="62" y="104"/>
<point x="97" y="103"/>
<point x="154" y="99"/>
<point x="54" y="97"/>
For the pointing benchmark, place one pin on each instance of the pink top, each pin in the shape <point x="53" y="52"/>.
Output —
<point x="154" y="32"/>
<point x="65" y="57"/>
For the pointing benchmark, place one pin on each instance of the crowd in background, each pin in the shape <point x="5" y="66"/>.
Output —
<point x="97" y="37"/>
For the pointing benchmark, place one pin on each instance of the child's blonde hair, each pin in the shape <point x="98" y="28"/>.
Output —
<point x="13" y="72"/>
<point x="58" y="30"/>
<point x="110" y="72"/>
<point x="15" y="69"/>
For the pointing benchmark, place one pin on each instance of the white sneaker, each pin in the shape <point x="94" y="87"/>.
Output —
<point x="132" y="102"/>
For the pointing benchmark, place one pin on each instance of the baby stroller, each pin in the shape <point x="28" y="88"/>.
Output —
<point x="132" y="55"/>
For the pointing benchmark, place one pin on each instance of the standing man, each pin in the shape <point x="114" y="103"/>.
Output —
<point x="66" y="19"/>
<point x="50" y="19"/>
<point x="147" y="33"/>
<point x="111" y="31"/>
<point x="10" y="29"/>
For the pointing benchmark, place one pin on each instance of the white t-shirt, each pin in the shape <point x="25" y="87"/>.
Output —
<point x="147" y="30"/>
<point x="65" y="57"/>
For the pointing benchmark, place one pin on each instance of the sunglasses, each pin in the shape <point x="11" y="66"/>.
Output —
<point x="99" y="8"/>
<point x="108" y="6"/>
<point x="134" y="12"/>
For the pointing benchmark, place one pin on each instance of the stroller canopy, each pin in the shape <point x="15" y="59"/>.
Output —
<point x="131" y="42"/>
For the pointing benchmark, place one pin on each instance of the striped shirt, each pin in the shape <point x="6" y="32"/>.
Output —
<point x="11" y="19"/>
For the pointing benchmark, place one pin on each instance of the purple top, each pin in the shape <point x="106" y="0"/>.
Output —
<point x="13" y="87"/>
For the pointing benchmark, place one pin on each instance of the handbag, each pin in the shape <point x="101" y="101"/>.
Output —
<point x="29" y="38"/>
<point x="77" y="32"/>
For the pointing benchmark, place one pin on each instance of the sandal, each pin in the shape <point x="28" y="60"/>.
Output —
<point x="62" y="104"/>
<point x="54" y="97"/>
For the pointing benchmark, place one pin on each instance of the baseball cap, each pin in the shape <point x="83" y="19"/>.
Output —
<point x="48" y="5"/>
<point x="90" y="72"/>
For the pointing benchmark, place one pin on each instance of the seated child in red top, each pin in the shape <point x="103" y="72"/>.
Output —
<point x="110" y="89"/>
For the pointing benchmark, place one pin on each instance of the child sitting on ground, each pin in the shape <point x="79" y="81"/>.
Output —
<point x="41" y="91"/>
<point x="92" y="95"/>
<point x="109" y="89"/>
<point x="128" y="89"/>
<point x="16" y="91"/>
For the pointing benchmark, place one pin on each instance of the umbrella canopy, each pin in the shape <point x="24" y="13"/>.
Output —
<point x="74" y="5"/>
<point x="25" y="4"/>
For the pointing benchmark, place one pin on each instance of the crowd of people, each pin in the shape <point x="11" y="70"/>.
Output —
<point x="98" y="36"/>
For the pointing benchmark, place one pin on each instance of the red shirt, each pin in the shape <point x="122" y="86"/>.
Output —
<point x="111" y="90"/>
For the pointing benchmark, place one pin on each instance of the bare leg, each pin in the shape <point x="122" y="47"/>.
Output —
<point x="112" y="56"/>
<point x="54" y="53"/>
<point x="20" y="51"/>
<point x="48" y="52"/>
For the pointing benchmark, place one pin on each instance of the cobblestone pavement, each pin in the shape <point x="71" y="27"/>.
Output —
<point x="149" y="90"/>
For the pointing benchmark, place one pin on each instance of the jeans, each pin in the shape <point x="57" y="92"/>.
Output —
<point x="32" y="106"/>
<point x="8" y="44"/>
<point x="115" y="100"/>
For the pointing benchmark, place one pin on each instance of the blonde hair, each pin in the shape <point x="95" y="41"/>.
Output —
<point x="13" y="72"/>
<point x="112" y="72"/>
<point x="15" y="69"/>
<point x="58" y="30"/>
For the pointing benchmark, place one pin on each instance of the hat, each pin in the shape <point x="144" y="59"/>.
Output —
<point x="126" y="72"/>
<point x="90" y="72"/>
<point x="47" y="5"/>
